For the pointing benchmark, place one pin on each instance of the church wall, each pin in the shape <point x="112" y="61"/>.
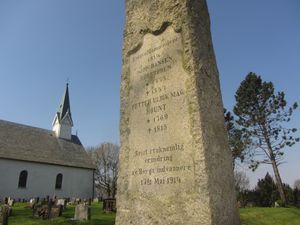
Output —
<point x="65" y="132"/>
<point x="41" y="180"/>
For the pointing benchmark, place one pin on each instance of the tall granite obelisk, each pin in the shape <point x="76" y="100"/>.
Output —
<point x="175" y="164"/>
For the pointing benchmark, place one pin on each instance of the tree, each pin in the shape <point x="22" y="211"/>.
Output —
<point x="297" y="184"/>
<point x="296" y="196"/>
<point x="289" y="195"/>
<point x="106" y="159"/>
<point x="261" y="114"/>
<point x="236" y="140"/>
<point x="267" y="191"/>
<point x="296" y="193"/>
<point x="241" y="181"/>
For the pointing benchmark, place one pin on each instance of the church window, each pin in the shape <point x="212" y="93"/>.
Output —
<point x="23" y="179"/>
<point x="58" y="183"/>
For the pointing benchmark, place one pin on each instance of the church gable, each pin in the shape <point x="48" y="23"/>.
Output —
<point x="67" y="120"/>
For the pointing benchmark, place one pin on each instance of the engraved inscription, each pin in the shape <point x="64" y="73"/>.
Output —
<point x="159" y="137"/>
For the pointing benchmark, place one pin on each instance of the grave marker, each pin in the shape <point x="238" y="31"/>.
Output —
<point x="175" y="164"/>
<point x="82" y="212"/>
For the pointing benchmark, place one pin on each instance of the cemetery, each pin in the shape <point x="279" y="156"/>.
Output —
<point x="72" y="213"/>
<point x="58" y="211"/>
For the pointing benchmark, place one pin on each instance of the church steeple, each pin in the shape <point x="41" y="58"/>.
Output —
<point x="64" y="107"/>
<point x="63" y="123"/>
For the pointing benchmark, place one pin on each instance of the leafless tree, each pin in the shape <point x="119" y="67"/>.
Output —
<point x="297" y="184"/>
<point x="241" y="181"/>
<point x="106" y="160"/>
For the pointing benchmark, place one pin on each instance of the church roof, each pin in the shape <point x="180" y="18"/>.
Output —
<point x="64" y="107"/>
<point x="26" y="143"/>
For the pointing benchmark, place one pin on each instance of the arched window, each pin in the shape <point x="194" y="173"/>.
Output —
<point x="23" y="179"/>
<point x="58" y="182"/>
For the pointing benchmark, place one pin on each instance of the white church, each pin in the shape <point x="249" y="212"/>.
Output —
<point x="36" y="162"/>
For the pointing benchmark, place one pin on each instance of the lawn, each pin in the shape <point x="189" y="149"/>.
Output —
<point x="249" y="216"/>
<point x="270" y="216"/>
<point x="23" y="216"/>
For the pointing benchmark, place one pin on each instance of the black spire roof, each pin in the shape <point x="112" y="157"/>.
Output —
<point x="64" y="107"/>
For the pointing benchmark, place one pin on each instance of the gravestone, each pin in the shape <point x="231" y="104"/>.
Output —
<point x="55" y="211"/>
<point x="41" y="211"/>
<point x="47" y="210"/>
<point x="62" y="202"/>
<point x="72" y="201"/>
<point x="78" y="200"/>
<point x="11" y="202"/>
<point x="82" y="212"/>
<point x="4" y="214"/>
<point x="175" y="164"/>
<point x="32" y="203"/>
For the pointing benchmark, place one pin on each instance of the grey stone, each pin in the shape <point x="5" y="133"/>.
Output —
<point x="42" y="211"/>
<point x="82" y="212"/>
<point x="175" y="164"/>
<point x="11" y="202"/>
<point x="4" y="214"/>
<point x="55" y="211"/>
<point x="62" y="202"/>
<point x="78" y="200"/>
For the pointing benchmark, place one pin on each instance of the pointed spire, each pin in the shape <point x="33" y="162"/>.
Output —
<point x="62" y="123"/>
<point x="64" y="107"/>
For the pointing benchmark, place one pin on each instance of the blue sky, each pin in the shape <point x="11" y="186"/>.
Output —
<point x="45" y="42"/>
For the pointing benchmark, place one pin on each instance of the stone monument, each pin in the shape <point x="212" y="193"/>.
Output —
<point x="175" y="164"/>
<point x="4" y="214"/>
<point x="82" y="212"/>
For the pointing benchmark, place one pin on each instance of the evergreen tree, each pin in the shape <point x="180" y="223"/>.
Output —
<point x="289" y="195"/>
<point x="267" y="191"/>
<point x="237" y="142"/>
<point x="296" y="195"/>
<point x="261" y="114"/>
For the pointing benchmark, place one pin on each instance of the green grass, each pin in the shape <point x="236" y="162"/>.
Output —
<point x="23" y="216"/>
<point x="249" y="216"/>
<point x="270" y="216"/>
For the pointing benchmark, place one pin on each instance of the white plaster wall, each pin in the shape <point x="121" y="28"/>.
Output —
<point x="65" y="131"/>
<point x="41" y="180"/>
<point x="56" y="128"/>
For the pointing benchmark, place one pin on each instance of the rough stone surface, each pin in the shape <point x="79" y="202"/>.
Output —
<point x="175" y="164"/>
<point x="55" y="211"/>
<point x="82" y="212"/>
<point x="11" y="202"/>
<point x="4" y="214"/>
